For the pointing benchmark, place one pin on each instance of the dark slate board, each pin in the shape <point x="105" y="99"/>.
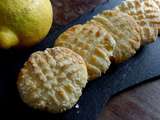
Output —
<point x="143" y="66"/>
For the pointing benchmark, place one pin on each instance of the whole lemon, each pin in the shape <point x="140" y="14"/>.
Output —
<point x="24" y="22"/>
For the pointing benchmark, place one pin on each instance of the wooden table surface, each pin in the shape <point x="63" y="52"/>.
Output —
<point x="138" y="103"/>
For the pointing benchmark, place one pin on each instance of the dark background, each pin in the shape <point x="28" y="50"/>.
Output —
<point x="67" y="10"/>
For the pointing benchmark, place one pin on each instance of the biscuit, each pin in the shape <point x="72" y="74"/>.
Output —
<point x="124" y="30"/>
<point x="93" y="43"/>
<point x="52" y="80"/>
<point x="152" y="13"/>
<point x="141" y="12"/>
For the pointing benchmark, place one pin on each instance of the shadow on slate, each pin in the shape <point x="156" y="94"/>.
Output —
<point x="142" y="67"/>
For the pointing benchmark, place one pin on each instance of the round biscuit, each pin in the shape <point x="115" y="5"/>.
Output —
<point x="53" y="79"/>
<point x="143" y="13"/>
<point x="124" y="30"/>
<point x="93" y="43"/>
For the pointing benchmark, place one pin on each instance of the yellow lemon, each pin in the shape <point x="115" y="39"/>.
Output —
<point x="24" y="22"/>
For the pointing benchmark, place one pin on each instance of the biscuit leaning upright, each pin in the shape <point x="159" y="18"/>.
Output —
<point x="93" y="43"/>
<point x="52" y="80"/>
<point x="123" y="29"/>
<point x="143" y="13"/>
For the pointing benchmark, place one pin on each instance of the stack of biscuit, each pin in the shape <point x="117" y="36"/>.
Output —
<point x="53" y="79"/>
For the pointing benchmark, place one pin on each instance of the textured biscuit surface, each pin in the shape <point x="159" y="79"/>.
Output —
<point x="146" y="15"/>
<point x="52" y="80"/>
<point x="124" y="30"/>
<point x="152" y="13"/>
<point x="93" y="43"/>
